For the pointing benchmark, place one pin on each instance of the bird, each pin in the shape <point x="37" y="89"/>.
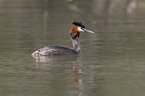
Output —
<point x="56" y="50"/>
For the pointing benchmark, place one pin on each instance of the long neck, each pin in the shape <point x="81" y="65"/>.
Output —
<point x="76" y="45"/>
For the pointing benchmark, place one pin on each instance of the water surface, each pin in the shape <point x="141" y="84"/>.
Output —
<point x="112" y="61"/>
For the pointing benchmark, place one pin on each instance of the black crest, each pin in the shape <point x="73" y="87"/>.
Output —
<point x="78" y="24"/>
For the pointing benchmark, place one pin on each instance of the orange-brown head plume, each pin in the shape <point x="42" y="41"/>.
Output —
<point x="74" y="32"/>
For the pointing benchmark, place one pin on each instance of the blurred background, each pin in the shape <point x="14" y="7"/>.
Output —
<point x="112" y="62"/>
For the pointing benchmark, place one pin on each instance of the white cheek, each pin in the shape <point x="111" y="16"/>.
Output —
<point x="79" y="28"/>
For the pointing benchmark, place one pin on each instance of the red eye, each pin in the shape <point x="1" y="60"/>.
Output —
<point x="83" y="29"/>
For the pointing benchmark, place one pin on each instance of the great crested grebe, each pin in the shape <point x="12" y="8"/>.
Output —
<point x="52" y="50"/>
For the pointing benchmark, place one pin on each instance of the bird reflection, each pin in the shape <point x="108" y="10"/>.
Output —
<point x="74" y="79"/>
<point x="56" y="58"/>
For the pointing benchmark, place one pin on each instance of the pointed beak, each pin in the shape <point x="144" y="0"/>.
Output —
<point x="85" y="30"/>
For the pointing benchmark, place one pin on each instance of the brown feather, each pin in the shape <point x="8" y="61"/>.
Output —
<point x="74" y="31"/>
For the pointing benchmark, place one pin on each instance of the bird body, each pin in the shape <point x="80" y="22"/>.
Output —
<point x="52" y="50"/>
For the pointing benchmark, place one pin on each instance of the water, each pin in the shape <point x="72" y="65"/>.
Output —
<point x="112" y="61"/>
